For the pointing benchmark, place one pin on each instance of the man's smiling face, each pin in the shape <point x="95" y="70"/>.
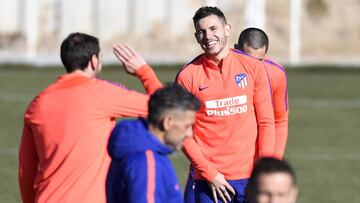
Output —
<point x="212" y="33"/>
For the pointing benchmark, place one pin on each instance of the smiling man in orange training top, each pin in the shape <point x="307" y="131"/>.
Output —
<point x="63" y="156"/>
<point x="255" y="42"/>
<point x="236" y="111"/>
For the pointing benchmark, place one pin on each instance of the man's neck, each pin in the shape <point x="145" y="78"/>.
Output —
<point x="86" y="72"/>
<point x="159" y="134"/>
<point x="216" y="59"/>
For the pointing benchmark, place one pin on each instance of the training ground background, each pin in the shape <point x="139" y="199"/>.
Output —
<point x="323" y="142"/>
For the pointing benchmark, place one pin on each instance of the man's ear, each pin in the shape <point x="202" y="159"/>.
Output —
<point x="94" y="62"/>
<point x="236" y="46"/>
<point x="294" y="194"/>
<point x="196" y="37"/>
<point x="227" y="30"/>
<point x="167" y="122"/>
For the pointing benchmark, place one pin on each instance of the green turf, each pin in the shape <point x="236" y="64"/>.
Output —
<point x="323" y="141"/>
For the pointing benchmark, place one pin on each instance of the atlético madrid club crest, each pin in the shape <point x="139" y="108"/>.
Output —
<point x="241" y="80"/>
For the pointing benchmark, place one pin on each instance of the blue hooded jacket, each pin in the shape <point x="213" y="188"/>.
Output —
<point x="140" y="170"/>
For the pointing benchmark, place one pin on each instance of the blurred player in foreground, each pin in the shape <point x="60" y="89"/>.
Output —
<point x="63" y="156"/>
<point x="236" y="111"/>
<point x="140" y="170"/>
<point x="272" y="181"/>
<point x="255" y="42"/>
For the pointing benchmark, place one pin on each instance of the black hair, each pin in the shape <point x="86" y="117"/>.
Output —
<point x="171" y="97"/>
<point x="206" y="11"/>
<point x="266" y="165"/>
<point x="253" y="37"/>
<point x="77" y="50"/>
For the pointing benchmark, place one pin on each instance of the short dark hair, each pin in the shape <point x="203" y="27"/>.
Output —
<point x="266" y="165"/>
<point x="206" y="11"/>
<point x="171" y="97"/>
<point x="77" y="50"/>
<point x="253" y="37"/>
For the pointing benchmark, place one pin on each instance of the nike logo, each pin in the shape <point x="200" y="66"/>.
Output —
<point x="201" y="88"/>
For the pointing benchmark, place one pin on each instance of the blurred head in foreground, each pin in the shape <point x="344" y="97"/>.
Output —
<point x="272" y="181"/>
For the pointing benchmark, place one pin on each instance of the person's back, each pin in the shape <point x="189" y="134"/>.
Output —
<point x="140" y="170"/>
<point x="63" y="156"/>
<point x="72" y="125"/>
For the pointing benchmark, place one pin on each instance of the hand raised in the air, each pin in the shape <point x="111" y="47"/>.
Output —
<point x="219" y="186"/>
<point x="129" y="58"/>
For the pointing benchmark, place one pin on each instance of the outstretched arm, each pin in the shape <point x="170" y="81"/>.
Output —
<point x="135" y="65"/>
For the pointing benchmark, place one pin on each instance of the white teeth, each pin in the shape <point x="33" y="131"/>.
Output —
<point x="210" y="43"/>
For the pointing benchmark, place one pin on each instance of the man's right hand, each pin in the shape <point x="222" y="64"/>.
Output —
<point x="129" y="58"/>
<point x="220" y="187"/>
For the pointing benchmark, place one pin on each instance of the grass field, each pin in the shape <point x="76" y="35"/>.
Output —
<point x="324" y="135"/>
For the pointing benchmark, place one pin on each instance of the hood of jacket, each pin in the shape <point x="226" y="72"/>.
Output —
<point x="132" y="136"/>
